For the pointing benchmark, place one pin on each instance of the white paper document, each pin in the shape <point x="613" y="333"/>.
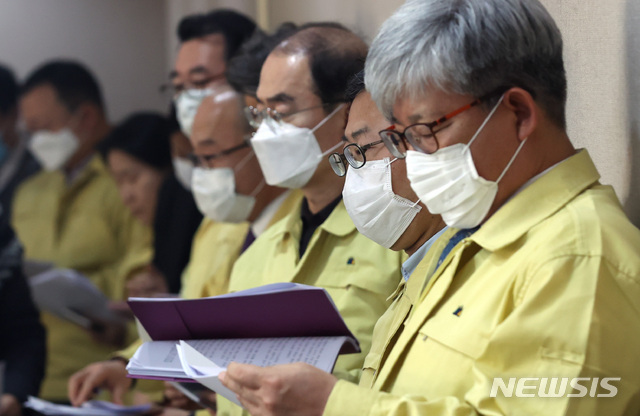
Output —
<point x="203" y="360"/>
<point x="71" y="296"/>
<point x="92" y="408"/>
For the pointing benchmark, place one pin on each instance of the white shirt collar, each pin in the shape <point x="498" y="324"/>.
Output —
<point x="262" y="222"/>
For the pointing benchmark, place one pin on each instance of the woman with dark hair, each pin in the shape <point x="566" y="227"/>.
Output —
<point x="139" y="155"/>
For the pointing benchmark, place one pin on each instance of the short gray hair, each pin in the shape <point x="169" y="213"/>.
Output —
<point x="469" y="47"/>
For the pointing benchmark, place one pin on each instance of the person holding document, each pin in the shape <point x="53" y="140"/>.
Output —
<point x="230" y="191"/>
<point x="70" y="214"/>
<point x="537" y="281"/>
<point x="301" y="116"/>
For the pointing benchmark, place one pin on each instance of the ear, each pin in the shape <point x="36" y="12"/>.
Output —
<point x="527" y="112"/>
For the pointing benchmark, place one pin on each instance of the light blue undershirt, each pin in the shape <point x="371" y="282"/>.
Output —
<point x="409" y="266"/>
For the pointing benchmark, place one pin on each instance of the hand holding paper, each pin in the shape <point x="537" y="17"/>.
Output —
<point x="289" y="389"/>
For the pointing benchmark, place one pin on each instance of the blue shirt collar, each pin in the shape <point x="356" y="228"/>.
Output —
<point x="409" y="266"/>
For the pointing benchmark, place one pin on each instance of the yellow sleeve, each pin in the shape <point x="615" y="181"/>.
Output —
<point x="130" y="350"/>
<point x="136" y="252"/>
<point x="571" y="319"/>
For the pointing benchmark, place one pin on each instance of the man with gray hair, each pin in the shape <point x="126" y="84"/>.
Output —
<point x="530" y="303"/>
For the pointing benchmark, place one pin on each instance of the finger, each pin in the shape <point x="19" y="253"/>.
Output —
<point x="118" y="393"/>
<point x="244" y="395"/>
<point x="247" y="375"/>
<point x="74" y="384"/>
<point x="86" y="390"/>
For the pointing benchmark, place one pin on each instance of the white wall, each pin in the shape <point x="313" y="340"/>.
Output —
<point x="362" y="16"/>
<point x="602" y="57"/>
<point x="177" y="9"/>
<point x="122" y="41"/>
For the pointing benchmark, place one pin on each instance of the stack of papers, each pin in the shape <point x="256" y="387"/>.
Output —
<point x="71" y="296"/>
<point x="195" y="340"/>
<point x="92" y="408"/>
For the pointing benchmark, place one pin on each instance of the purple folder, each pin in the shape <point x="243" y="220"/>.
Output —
<point x="276" y="310"/>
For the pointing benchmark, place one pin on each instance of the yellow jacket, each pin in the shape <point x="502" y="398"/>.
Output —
<point x="84" y="227"/>
<point x="358" y="274"/>
<point x="548" y="287"/>
<point x="216" y="247"/>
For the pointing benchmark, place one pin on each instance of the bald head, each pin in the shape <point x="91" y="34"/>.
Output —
<point x="220" y="121"/>
<point x="334" y="54"/>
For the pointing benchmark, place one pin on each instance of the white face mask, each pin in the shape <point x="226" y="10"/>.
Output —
<point x="53" y="149"/>
<point x="448" y="183"/>
<point x="215" y="193"/>
<point x="187" y="103"/>
<point x="183" y="169"/>
<point x="377" y="212"/>
<point x="289" y="155"/>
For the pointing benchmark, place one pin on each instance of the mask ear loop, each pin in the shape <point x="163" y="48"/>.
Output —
<point x="242" y="164"/>
<point x="327" y="118"/>
<point x="244" y="161"/>
<point x="391" y="174"/>
<point x="259" y="188"/>
<point x="324" y="120"/>
<point x="484" y="123"/>
<point x="512" y="159"/>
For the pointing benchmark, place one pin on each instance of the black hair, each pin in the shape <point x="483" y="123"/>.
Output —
<point x="145" y="136"/>
<point x="355" y="86"/>
<point x="235" y="27"/>
<point x="335" y="55"/>
<point x="243" y="70"/>
<point x="8" y="90"/>
<point x="73" y="82"/>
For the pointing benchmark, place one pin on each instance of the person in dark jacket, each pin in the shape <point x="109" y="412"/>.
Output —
<point x="138" y="152"/>
<point x="22" y="337"/>
<point x="16" y="162"/>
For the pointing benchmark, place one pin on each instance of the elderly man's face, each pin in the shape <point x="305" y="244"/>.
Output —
<point x="365" y="121"/>
<point x="286" y="86"/>
<point x="218" y="128"/>
<point x="494" y="146"/>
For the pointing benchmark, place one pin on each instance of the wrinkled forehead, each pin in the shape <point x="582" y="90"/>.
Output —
<point x="218" y="121"/>
<point x="285" y="77"/>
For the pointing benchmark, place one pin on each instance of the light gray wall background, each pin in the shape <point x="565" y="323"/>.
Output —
<point x="131" y="45"/>
<point x="122" y="41"/>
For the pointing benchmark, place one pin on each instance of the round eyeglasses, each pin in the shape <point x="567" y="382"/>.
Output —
<point x="421" y="136"/>
<point x="352" y="154"/>
<point x="255" y="116"/>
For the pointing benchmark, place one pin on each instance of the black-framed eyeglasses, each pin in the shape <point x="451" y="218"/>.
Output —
<point x="255" y="116"/>
<point x="204" y="160"/>
<point x="421" y="136"/>
<point x="353" y="154"/>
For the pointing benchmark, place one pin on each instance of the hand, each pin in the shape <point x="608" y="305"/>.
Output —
<point x="146" y="283"/>
<point x="290" y="389"/>
<point x="10" y="406"/>
<point x="175" y="398"/>
<point x="110" y="375"/>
